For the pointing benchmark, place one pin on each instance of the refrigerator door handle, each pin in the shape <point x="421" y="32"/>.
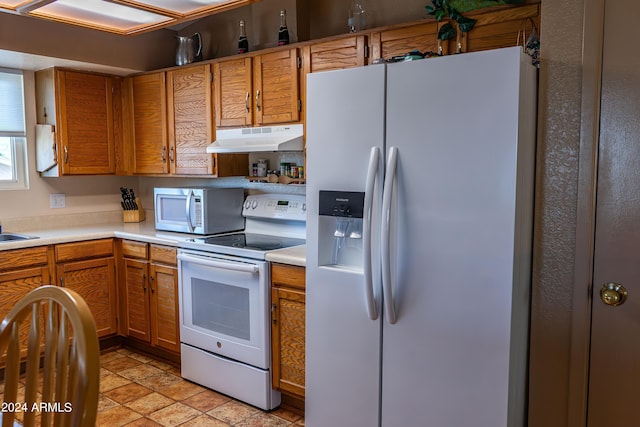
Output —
<point x="387" y="195"/>
<point x="372" y="175"/>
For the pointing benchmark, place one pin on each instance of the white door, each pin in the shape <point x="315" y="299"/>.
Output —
<point x="456" y="355"/>
<point x="614" y="374"/>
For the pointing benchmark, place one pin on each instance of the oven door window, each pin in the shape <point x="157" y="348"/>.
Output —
<point x="224" y="307"/>
<point x="221" y="309"/>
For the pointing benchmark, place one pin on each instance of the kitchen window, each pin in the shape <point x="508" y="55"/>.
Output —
<point x="13" y="141"/>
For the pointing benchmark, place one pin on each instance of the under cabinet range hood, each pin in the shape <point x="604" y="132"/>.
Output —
<point x="256" y="139"/>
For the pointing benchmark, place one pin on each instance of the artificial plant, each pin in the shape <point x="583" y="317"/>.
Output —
<point x="453" y="10"/>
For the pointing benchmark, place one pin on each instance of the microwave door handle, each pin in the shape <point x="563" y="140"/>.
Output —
<point x="244" y="268"/>
<point x="188" y="211"/>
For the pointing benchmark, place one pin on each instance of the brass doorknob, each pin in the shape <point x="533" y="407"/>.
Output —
<point x="613" y="294"/>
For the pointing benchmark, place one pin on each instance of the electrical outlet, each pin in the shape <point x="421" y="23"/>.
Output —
<point x="57" y="201"/>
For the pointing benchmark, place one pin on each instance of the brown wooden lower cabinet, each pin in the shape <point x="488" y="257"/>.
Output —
<point x="136" y="289"/>
<point x="288" y="330"/>
<point x="89" y="268"/>
<point x="21" y="271"/>
<point x="165" y="327"/>
<point x="150" y="288"/>
<point x="148" y="275"/>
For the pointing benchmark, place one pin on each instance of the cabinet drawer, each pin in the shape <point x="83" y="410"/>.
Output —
<point x="288" y="275"/>
<point x="81" y="250"/>
<point x="164" y="255"/>
<point x="18" y="258"/>
<point x="133" y="249"/>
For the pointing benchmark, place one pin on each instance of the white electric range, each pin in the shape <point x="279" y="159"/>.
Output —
<point x="225" y="299"/>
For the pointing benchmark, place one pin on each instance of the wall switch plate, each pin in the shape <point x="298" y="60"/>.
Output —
<point x="57" y="201"/>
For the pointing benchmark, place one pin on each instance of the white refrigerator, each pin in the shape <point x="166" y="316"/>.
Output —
<point x="420" y="179"/>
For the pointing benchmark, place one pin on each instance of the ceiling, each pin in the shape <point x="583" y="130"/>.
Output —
<point x="26" y="61"/>
<point x="124" y="17"/>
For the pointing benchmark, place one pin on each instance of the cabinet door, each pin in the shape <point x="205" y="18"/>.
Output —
<point x="346" y="52"/>
<point x="190" y="120"/>
<point x="164" y="307"/>
<point x="276" y="88"/>
<point x="85" y="123"/>
<point x="232" y="92"/>
<point x="499" y="28"/>
<point x="95" y="281"/>
<point x="136" y="279"/>
<point x="398" y="41"/>
<point x="147" y="124"/>
<point x="16" y="284"/>
<point x="288" y="340"/>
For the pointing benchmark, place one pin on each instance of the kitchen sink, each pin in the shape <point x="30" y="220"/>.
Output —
<point x="12" y="237"/>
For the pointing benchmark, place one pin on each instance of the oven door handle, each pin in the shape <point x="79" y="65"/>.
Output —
<point x="245" y="268"/>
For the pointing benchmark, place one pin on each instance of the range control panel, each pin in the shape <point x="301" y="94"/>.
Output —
<point x="277" y="206"/>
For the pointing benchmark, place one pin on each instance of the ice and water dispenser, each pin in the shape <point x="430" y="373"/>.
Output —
<point x="340" y="228"/>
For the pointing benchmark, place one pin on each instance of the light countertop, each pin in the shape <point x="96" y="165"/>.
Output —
<point x="296" y="255"/>
<point x="143" y="231"/>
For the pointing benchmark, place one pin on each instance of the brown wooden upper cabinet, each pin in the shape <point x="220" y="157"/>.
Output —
<point x="190" y="120"/>
<point x="146" y="123"/>
<point x="344" y="52"/>
<point x="500" y="28"/>
<point x="259" y="90"/>
<point x="169" y="123"/>
<point x="81" y="106"/>
<point x="401" y="39"/>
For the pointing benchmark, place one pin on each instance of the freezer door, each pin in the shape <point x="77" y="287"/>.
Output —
<point x="460" y="240"/>
<point x="345" y="121"/>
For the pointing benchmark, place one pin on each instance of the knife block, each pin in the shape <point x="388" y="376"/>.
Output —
<point x="134" y="215"/>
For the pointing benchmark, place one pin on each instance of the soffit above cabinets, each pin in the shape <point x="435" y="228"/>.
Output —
<point x="124" y="17"/>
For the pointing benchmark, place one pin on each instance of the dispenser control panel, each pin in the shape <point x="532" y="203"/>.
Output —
<point x="348" y="204"/>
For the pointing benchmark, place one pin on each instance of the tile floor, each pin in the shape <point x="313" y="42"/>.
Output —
<point x="136" y="390"/>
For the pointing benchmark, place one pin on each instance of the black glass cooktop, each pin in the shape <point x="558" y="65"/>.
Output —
<point x="260" y="242"/>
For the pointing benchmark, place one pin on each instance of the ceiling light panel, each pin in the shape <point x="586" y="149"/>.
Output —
<point x="13" y="4"/>
<point x="180" y="8"/>
<point x="101" y="14"/>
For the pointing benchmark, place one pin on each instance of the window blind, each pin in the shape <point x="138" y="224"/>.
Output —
<point x="11" y="104"/>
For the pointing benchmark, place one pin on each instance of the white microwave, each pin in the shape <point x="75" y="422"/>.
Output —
<point x="199" y="210"/>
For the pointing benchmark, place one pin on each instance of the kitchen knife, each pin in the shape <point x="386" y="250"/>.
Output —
<point x="125" y="199"/>
<point x="133" y="199"/>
